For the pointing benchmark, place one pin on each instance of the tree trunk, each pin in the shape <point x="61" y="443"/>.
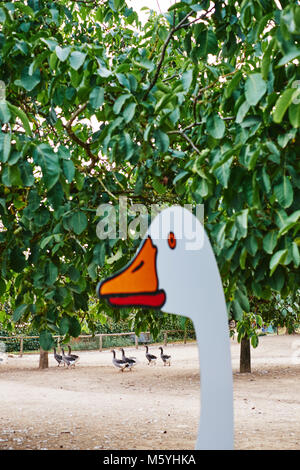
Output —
<point x="245" y="355"/>
<point x="43" y="359"/>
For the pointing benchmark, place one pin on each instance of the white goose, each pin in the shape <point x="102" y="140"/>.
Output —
<point x="175" y="270"/>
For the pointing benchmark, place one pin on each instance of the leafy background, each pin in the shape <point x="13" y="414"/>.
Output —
<point x="198" y="105"/>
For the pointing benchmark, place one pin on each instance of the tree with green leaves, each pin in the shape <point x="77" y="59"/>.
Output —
<point x="197" y="105"/>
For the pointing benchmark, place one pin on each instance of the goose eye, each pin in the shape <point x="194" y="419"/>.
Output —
<point x="172" y="240"/>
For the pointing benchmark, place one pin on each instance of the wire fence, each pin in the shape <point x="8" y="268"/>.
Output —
<point x="99" y="341"/>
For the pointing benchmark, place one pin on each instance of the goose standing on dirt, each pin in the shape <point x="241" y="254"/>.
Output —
<point x="76" y="358"/>
<point x="131" y="361"/>
<point x="150" y="357"/>
<point x="165" y="358"/>
<point x="119" y="363"/>
<point x="69" y="361"/>
<point x="57" y="357"/>
<point x="175" y="271"/>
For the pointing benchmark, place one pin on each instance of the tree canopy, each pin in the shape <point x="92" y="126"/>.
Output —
<point x="199" y="105"/>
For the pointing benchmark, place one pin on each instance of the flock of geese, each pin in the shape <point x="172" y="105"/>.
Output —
<point x="125" y="363"/>
<point x="129" y="362"/>
<point x="69" y="360"/>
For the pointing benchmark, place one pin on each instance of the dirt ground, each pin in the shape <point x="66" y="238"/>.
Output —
<point x="94" y="406"/>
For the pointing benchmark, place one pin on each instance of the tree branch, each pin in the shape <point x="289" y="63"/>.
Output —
<point x="75" y="114"/>
<point x="180" y="25"/>
<point x="163" y="52"/>
<point x="186" y="137"/>
<point x="207" y="88"/>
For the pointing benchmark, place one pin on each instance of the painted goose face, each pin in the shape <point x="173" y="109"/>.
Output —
<point x="175" y="270"/>
<point x="168" y="247"/>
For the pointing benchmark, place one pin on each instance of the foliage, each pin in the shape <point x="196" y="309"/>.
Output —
<point x="286" y="313"/>
<point x="199" y="105"/>
<point x="248" y="328"/>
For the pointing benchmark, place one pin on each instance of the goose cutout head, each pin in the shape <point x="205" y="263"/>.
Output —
<point x="168" y="273"/>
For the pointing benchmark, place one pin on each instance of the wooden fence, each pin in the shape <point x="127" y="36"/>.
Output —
<point x="100" y="336"/>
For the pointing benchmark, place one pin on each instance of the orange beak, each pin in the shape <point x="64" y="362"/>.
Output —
<point x="137" y="284"/>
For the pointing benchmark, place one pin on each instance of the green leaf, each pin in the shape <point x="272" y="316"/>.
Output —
<point x="162" y="140"/>
<point x="51" y="43"/>
<point x="289" y="223"/>
<point x="41" y="216"/>
<point x="237" y="310"/>
<point x="97" y="97"/>
<point x="26" y="173"/>
<point x="215" y="126"/>
<point x="255" y="88"/>
<point x="187" y="78"/>
<point x="233" y="84"/>
<point x="266" y="180"/>
<point x="22" y="116"/>
<point x="11" y="176"/>
<point x="126" y="145"/>
<point x="46" y="240"/>
<point x="266" y="60"/>
<point x="242" y="222"/>
<point x="180" y="175"/>
<point x="277" y="280"/>
<point x="4" y="112"/>
<point x="78" y="222"/>
<point x="2" y="15"/>
<point x="291" y="55"/>
<point x="207" y="43"/>
<point x="254" y="341"/>
<point x="295" y="254"/>
<point x="294" y="115"/>
<point x="62" y="53"/>
<point x="69" y="170"/>
<point x="64" y="326"/>
<point x="51" y="273"/>
<point x="46" y="340"/>
<point x="104" y="72"/>
<point x="284" y="192"/>
<point x="49" y="162"/>
<point x="129" y="112"/>
<point x="29" y="82"/>
<point x="243" y="258"/>
<point x="123" y="80"/>
<point x="283" y="102"/>
<point x="14" y="157"/>
<point x="5" y="146"/>
<point x="242" y="111"/>
<point x="270" y="241"/>
<point x="73" y="273"/>
<point x="223" y="172"/>
<point x="119" y="103"/>
<point x="140" y="181"/>
<point x="278" y="258"/>
<point x="99" y="254"/>
<point x="158" y="186"/>
<point x="243" y="300"/>
<point x="74" y="327"/>
<point x="18" y="312"/>
<point x="17" y="260"/>
<point x="77" y="59"/>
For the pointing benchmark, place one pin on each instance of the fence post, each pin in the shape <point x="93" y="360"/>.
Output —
<point x="184" y="339"/>
<point x="100" y="342"/>
<point x="21" y="346"/>
<point x="136" y="342"/>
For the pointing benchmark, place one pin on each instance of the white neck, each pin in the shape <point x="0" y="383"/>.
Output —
<point x="216" y="418"/>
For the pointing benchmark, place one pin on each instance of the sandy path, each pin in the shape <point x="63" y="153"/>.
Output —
<point x="153" y="407"/>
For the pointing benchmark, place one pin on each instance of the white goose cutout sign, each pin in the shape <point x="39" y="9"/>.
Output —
<point x="175" y="270"/>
